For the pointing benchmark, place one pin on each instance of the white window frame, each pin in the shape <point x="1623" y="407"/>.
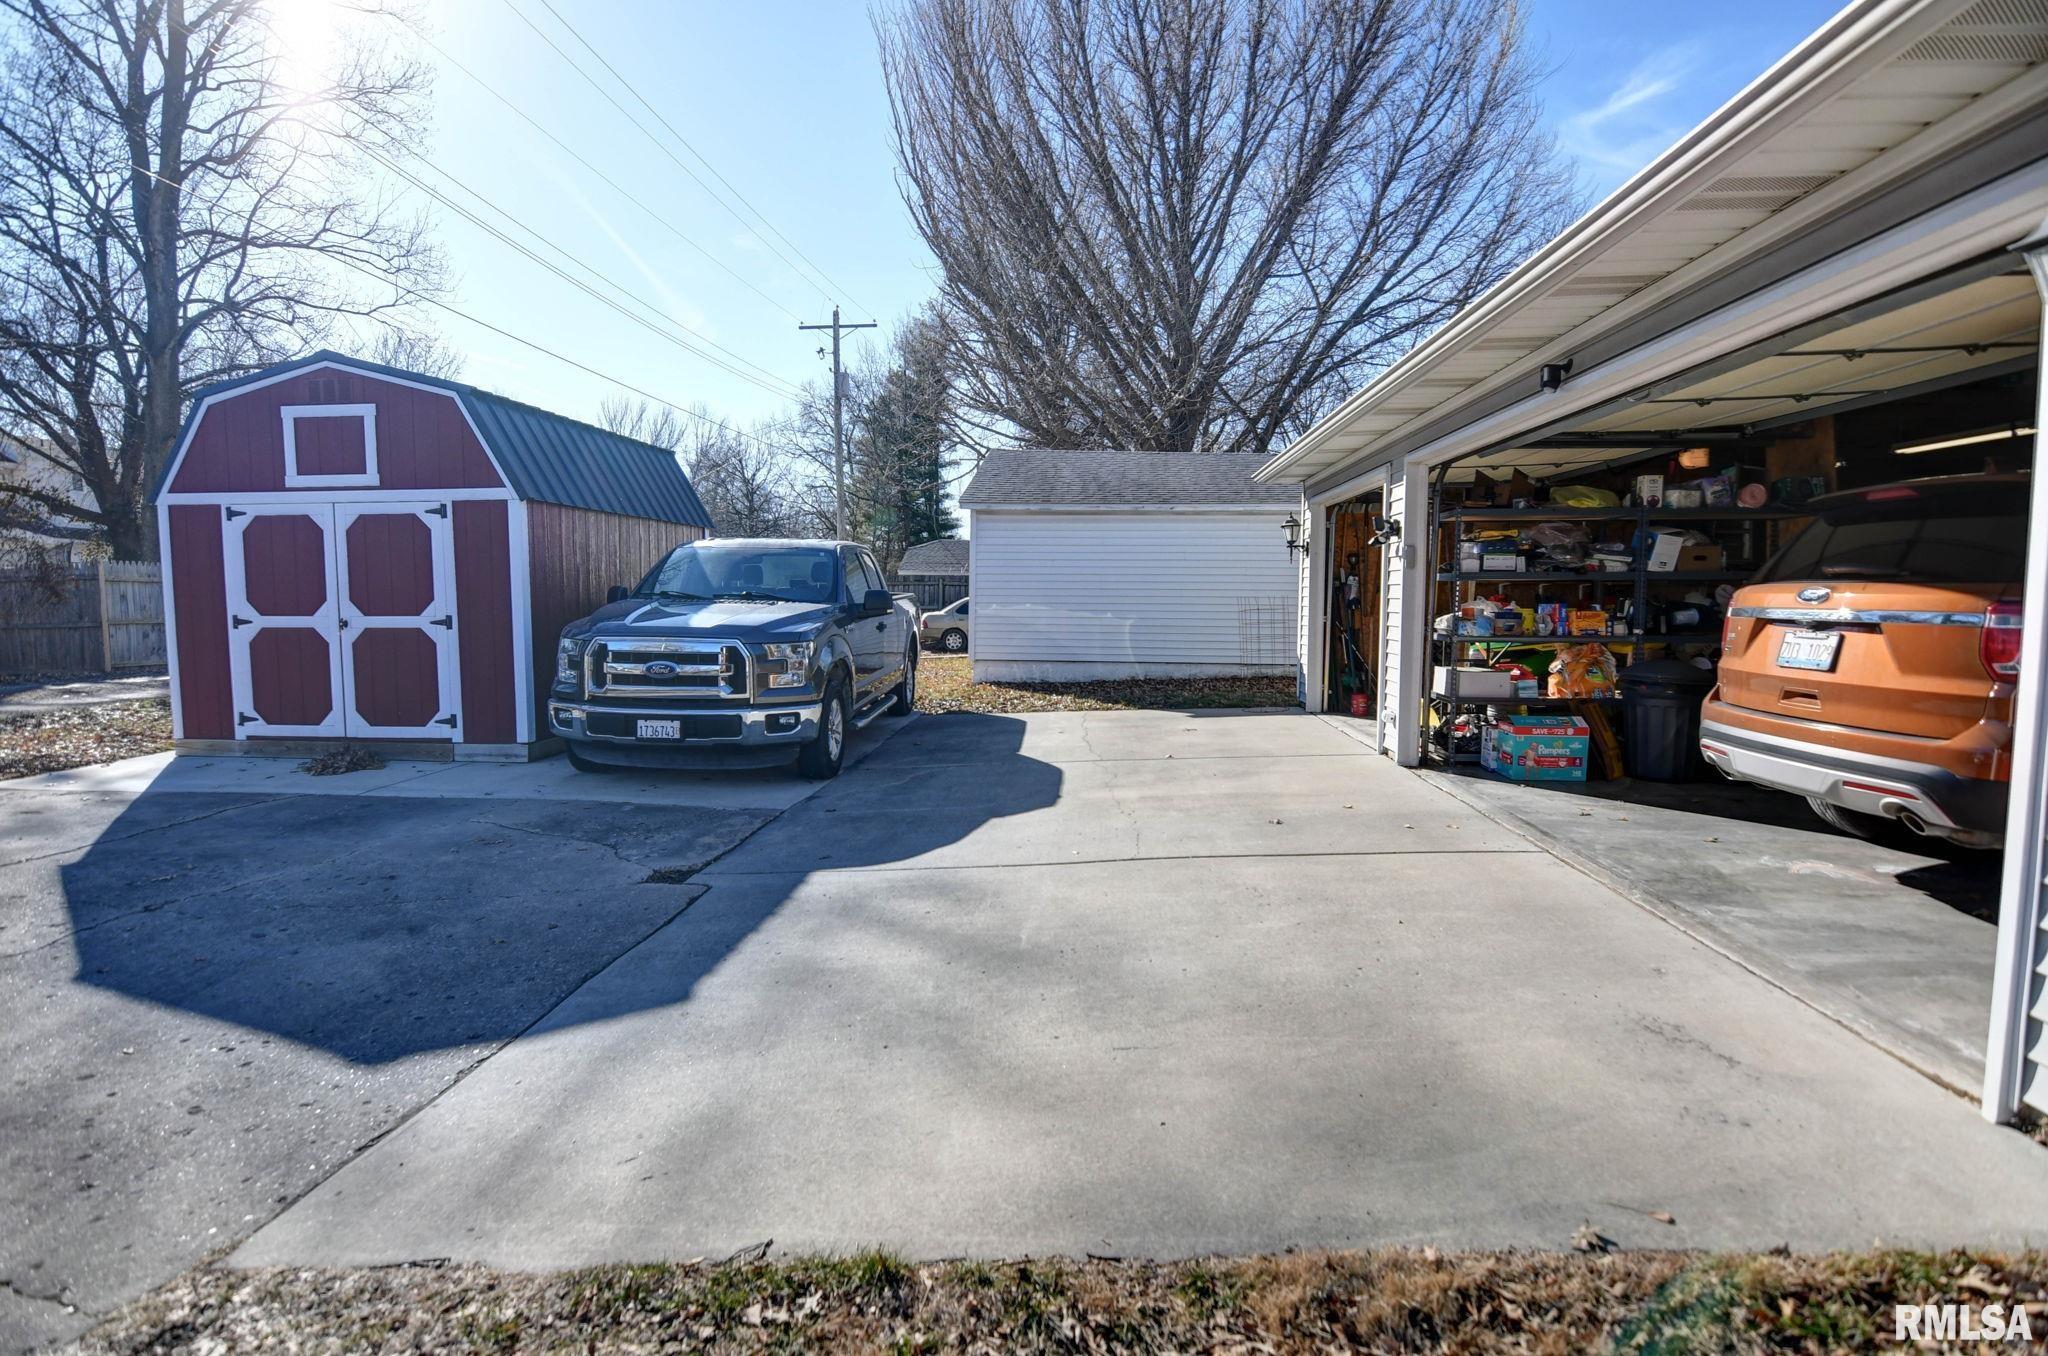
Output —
<point x="293" y="413"/>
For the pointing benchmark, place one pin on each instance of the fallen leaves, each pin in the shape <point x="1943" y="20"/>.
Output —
<point x="348" y="758"/>
<point x="946" y="683"/>
<point x="80" y="736"/>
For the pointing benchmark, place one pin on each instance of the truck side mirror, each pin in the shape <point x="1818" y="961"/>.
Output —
<point x="617" y="593"/>
<point x="876" y="603"/>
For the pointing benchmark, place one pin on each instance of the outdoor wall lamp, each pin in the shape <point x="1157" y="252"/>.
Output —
<point x="1292" y="527"/>
<point x="1550" y="376"/>
<point x="1385" y="529"/>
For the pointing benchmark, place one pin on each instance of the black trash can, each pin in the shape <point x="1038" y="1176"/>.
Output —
<point x="1660" y="710"/>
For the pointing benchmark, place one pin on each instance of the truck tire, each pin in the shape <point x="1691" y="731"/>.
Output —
<point x="821" y="759"/>
<point x="1871" y="828"/>
<point x="906" y="691"/>
<point x="954" y="641"/>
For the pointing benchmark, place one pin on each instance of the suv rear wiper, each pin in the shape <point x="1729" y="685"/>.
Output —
<point x="1853" y="571"/>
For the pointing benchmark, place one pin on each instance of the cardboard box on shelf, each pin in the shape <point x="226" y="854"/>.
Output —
<point x="1707" y="556"/>
<point x="1650" y="490"/>
<point x="1586" y="621"/>
<point x="1536" y="748"/>
<point x="1475" y="683"/>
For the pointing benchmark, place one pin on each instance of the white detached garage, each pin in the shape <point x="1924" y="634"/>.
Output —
<point x="1128" y="564"/>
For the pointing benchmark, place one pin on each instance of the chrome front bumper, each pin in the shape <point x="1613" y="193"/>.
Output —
<point x="760" y="726"/>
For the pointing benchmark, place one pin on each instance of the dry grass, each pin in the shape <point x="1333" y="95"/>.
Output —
<point x="946" y="683"/>
<point x="1398" y="1300"/>
<point x="78" y="736"/>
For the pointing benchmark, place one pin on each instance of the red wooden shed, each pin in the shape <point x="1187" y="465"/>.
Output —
<point x="355" y="552"/>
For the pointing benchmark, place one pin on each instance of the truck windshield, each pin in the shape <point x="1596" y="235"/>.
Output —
<point x="1955" y="535"/>
<point x="797" y="574"/>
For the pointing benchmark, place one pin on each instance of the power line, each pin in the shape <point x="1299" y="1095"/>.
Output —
<point x="773" y="384"/>
<point x="821" y="283"/>
<point x="544" y="350"/>
<point x="609" y="182"/>
<point x="685" y="143"/>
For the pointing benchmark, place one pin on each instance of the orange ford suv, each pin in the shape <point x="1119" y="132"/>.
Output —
<point x="1869" y="667"/>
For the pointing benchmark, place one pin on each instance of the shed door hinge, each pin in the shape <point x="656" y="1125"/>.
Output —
<point x="448" y="720"/>
<point x="446" y="623"/>
<point x="438" y="510"/>
<point x="244" y="718"/>
<point x="234" y="513"/>
<point x="241" y="621"/>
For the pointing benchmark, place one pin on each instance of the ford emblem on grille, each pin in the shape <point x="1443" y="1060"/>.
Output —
<point x="1816" y="594"/>
<point x="661" y="668"/>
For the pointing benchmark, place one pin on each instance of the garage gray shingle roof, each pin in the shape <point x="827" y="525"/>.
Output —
<point x="1121" y="480"/>
<point x="936" y="557"/>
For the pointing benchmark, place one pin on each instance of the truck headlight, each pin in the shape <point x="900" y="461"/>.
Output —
<point x="788" y="664"/>
<point x="569" y="660"/>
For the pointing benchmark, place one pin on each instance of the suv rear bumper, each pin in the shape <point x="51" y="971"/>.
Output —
<point x="1877" y="784"/>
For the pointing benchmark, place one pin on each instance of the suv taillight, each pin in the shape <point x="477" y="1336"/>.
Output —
<point x="1999" y="643"/>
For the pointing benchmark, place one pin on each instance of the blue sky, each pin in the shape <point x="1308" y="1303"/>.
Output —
<point x="785" y="106"/>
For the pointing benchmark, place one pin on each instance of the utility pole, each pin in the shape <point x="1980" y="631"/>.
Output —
<point x="838" y="421"/>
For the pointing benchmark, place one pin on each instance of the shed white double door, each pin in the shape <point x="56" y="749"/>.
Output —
<point x="341" y="619"/>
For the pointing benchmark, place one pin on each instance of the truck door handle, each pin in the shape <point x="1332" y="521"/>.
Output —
<point x="881" y="626"/>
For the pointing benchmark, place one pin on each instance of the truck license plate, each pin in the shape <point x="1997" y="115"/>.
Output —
<point x="1809" y="650"/>
<point x="659" y="729"/>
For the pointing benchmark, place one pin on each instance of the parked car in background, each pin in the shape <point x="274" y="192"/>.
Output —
<point x="948" y="628"/>
<point x="736" y="651"/>
<point x="1870" y="665"/>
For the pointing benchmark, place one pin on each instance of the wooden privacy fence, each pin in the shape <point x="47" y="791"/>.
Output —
<point x="82" y="617"/>
<point x="933" y="591"/>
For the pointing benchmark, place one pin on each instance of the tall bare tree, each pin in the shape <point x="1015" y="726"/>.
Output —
<point x="1191" y="224"/>
<point x="180" y="200"/>
<point x="747" y="486"/>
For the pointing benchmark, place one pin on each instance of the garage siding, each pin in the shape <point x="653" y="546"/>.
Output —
<point x="1391" y="710"/>
<point x="1100" y="594"/>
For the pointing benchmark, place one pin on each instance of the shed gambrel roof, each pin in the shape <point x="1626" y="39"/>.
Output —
<point x="948" y="556"/>
<point x="546" y="457"/>
<point x="1038" y="477"/>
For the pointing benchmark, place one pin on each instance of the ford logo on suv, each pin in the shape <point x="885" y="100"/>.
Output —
<point x="661" y="668"/>
<point x="1815" y="594"/>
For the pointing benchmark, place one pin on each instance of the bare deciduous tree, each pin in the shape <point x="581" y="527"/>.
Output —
<point x="1191" y="224"/>
<point x="180" y="200"/>
<point x="748" y="487"/>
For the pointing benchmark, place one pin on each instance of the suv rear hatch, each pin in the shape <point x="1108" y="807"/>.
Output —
<point x="1875" y="616"/>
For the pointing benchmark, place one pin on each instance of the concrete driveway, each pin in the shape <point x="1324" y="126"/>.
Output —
<point x="221" y="978"/>
<point x="1162" y="984"/>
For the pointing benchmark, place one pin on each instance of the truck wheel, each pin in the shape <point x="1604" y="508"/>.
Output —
<point x="582" y="764"/>
<point x="1871" y="828"/>
<point x="821" y="758"/>
<point x="906" y="691"/>
<point x="954" y="641"/>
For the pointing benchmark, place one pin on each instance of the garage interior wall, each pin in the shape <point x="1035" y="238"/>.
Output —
<point x="1109" y="594"/>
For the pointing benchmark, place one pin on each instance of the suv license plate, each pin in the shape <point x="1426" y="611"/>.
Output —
<point x="1809" y="650"/>
<point x="659" y="729"/>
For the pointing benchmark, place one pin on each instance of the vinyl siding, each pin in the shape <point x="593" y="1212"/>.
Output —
<point x="1141" y="592"/>
<point x="1392" y="712"/>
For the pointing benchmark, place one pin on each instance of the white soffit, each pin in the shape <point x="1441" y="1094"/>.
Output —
<point x="1882" y="91"/>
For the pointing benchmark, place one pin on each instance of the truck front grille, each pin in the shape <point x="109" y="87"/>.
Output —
<point x="670" y="669"/>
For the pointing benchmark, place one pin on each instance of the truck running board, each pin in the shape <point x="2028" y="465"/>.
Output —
<point x="875" y="707"/>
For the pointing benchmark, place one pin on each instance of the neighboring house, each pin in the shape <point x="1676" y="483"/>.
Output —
<point x="354" y="551"/>
<point x="936" y="571"/>
<point x="1128" y="564"/>
<point x="26" y="523"/>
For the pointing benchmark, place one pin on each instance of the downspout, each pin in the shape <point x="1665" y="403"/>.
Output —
<point x="2017" y="976"/>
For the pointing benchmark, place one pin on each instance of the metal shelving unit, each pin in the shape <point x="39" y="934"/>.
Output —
<point x="1449" y="522"/>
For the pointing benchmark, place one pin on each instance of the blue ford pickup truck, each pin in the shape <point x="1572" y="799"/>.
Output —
<point x="736" y="652"/>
